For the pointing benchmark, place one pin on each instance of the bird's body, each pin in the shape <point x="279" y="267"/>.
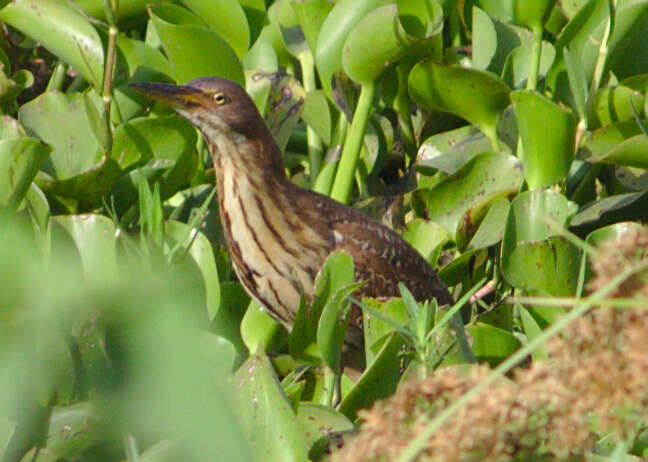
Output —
<point x="279" y="235"/>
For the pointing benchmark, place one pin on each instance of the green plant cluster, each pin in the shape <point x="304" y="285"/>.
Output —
<point x="504" y="139"/>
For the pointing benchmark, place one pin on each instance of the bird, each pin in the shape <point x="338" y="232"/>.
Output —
<point x="279" y="234"/>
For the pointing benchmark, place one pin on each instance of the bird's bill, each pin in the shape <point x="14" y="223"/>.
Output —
<point x="176" y="96"/>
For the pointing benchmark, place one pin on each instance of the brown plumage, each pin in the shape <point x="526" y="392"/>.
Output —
<point x="278" y="234"/>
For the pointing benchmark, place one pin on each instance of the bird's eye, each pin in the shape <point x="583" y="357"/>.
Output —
<point x="219" y="97"/>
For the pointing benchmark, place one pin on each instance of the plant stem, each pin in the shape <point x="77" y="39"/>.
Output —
<point x="112" y="11"/>
<point x="536" y="56"/>
<point x="313" y="140"/>
<point x="344" y="177"/>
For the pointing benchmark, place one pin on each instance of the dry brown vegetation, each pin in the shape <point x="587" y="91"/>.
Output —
<point x="595" y="381"/>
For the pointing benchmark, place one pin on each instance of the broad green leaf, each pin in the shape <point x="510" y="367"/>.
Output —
<point x="426" y="237"/>
<point x="311" y="14"/>
<point x="336" y="273"/>
<point x="334" y="32"/>
<point x="7" y="429"/>
<point x="62" y="30"/>
<point x="139" y="54"/>
<point x="597" y="144"/>
<point x="376" y="330"/>
<point x="467" y="194"/>
<point x="127" y="8"/>
<point x="630" y="152"/>
<point x="259" y="331"/>
<point x="491" y="344"/>
<point x="484" y="39"/>
<point x="614" y="104"/>
<point x="532" y="330"/>
<point x="266" y="415"/>
<point x="390" y="38"/>
<point x="195" y="51"/>
<point x="547" y="135"/>
<point x="75" y="428"/>
<point x="20" y="159"/>
<point x="143" y="139"/>
<point x="534" y="257"/>
<point x="491" y="228"/>
<point x="477" y="96"/>
<point x="229" y="314"/>
<point x="317" y="422"/>
<point x="75" y="148"/>
<point x="532" y="14"/>
<point x="378" y="381"/>
<point x="498" y="9"/>
<point x="516" y="67"/>
<point x="94" y="237"/>
<point x="451" y="150"/>
<point x="611" y="209"/>
<point x="577" y="83"/>
<point x="317" y="115"/>
<point x="10" y="128"/>
<point x="227" y="18"/>
<point x="617" y="233"/>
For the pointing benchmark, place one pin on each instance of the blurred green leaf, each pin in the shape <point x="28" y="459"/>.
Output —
<point x="491" y="344"/>
<point x="259" y="331"/>
<point x="266" y="414"/>
<point x="317" y="422"/>
<point x="20" y="159"/>
<point x="316" y="115"/>
<point x="532" y="14"/>
<point x="614" y="104"/>
<point x="426" y="237"/>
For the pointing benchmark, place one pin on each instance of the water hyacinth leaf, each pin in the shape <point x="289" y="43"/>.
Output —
<point x="311" y="14"/>
<point x="615" y="233"/>
<point x="266" y="415"/>
<point x="532" y="329"/>
<point x="94" y="238"/>
<point x="75" y="148"/>
<point x="63" y="31"/>
<point x="614" y="104"/>
<point x="336" y="274"/>
<point x="534" y="257"/>
<point x="597" y="144"/>
<point x="516" y="67"/>
<point x="317" y="422"/>
<point x="334" y="32"/>
<point x="7" y="429"/>
<point x="611" y="209"/>
<point x="477" y="96"/>
<point x="283" y="14"/>
<point x="547" y="135"/>
<point x="139" y="54"/>
<point x="20" y="159"/>
<point x="491" y="344"/>
<point x="532" y="14"/>
<point x="127" y="8"/>
<point x="10" y="128"/>
<point x="74" y="428"/>
<point x="259" y="331"/>
<point x="451" y="150"/>
<point x="472" y="188"/>
<point x="200" y="251"/>
<point x="630" y="152"/>
<point x="227" y="18"/>
<point x="378" y="381"/>
<point x="261" y="57"/>
<point x="484" y="39"/>
<point x="577" y="82"/>
<point x="195" y="51"/>
<point x="317" y="115"/>
<point x="389" y="38"/>
<point x="426" y="237"/>
<point x="491" y="228"/>
<point x="142" y="139"/>
<point x="498" y="9"/>
<point x="376" y="330"/>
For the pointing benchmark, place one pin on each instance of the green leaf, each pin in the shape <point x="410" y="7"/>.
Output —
<point x="426" y="237"/>
<point x="577" y="83"/>
<point x="259" y="331"/>
<point x="630" y="152"/>
<point x="7" y="429"/>
<point x="467" y="194"/>
<point x="491" y="344"/>
<point x="532" y="14"/>
<point x="266" y="414"/>
<point x="620" y="207"/>
<point x="547" y="135"/>
<point x="317" y="422"/>
<point x="534" y="258"/>
<point x="334" y="32"/>
<point x="195" y="51"/>
<point x="311" y="14"/>
<point x="378" y="381"/>
<point x="317" y="115"/>
<point x="20" y="159"/>
<point x="516" y="67"/>
<point x="491" y="228"/>
<point x="614" y="104"/>
<point x="63" y="31"/>
<point x="532" y="329"/>
<point x="74" y="429"/>
<point x="477" y="96"/>
<point x="227" y="18"/>
<point x="386" y="317"/>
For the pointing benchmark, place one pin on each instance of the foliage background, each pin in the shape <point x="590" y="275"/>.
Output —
<point x="505" y="139"/>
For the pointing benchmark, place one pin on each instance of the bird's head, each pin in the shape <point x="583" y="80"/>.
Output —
<point x="216" y="106"/>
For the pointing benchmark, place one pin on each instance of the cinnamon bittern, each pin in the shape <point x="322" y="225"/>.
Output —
<point x="278" y="234"/>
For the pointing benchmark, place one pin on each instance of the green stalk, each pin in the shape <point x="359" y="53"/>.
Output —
<point x="111" y="8"/>
<point x="313" y="140"/>
<point x="536" y="55"/>
<point x="417" y="444"/>
<point x="344" y="177"/>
